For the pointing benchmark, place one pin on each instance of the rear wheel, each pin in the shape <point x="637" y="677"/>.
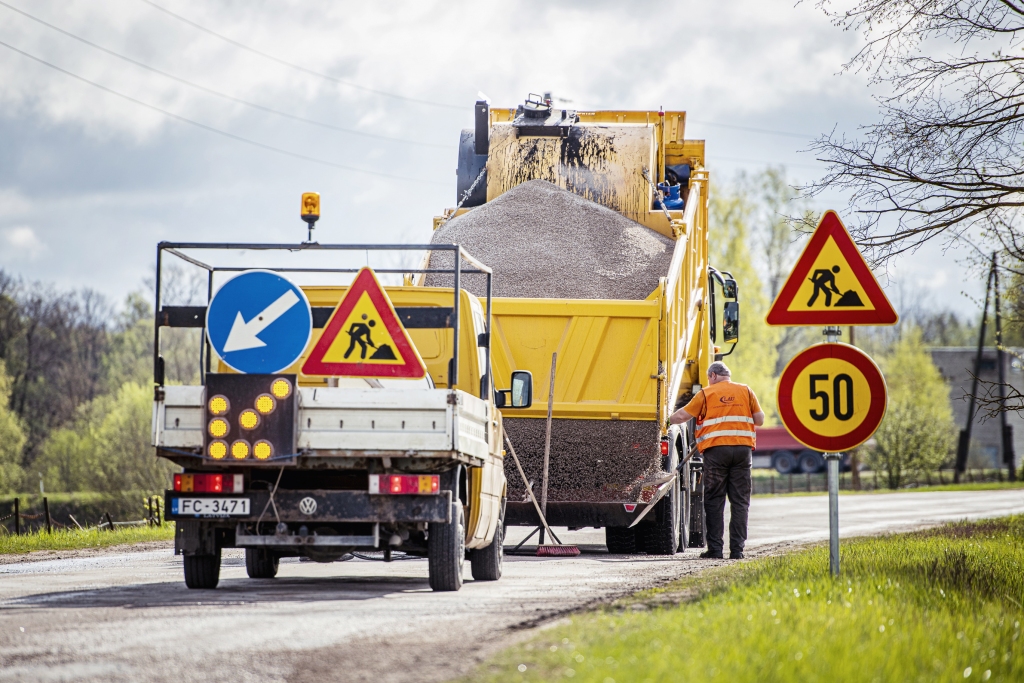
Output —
<point x="202" y="571"/>
<point x="620" y="540"/>
<point x="446" y="551"/>
<point x="260" y="563"/>
<point x="698" y="527"/>
<point x="662" y="537"/>
<point x="485" y="563"/>
<point x="811" y="462"/>
<point x="784" y="462"/>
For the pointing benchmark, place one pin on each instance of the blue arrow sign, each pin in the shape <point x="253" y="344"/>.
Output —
<point x="259" y="322"/>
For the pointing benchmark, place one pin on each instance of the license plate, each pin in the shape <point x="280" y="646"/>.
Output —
<point x="210" y="507"/>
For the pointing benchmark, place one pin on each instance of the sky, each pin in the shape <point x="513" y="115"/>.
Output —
<point x="158" y="144"/>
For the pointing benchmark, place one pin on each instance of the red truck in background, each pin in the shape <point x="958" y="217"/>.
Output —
<point x="776" y="448"/>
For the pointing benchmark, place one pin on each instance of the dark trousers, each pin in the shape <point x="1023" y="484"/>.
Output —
<point x="727" y="472"/>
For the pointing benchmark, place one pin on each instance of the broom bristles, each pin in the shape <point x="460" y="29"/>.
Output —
<point x="557" y="551"/>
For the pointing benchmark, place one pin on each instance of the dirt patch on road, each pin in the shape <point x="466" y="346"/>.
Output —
<point x="44" y="555"/>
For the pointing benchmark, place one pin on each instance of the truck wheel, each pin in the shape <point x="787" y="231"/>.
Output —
<point x="620" y="540"/>
<point x="784" y="462"/>
<point x="485" y="563"/>
<point x="811" y="462"/>
<point x="662" y="537"/>
<point x="684" y="509"/>
<point x="202" y="571"/>
<point x="697" y="520"/>
<point x="260" y="563"/>
<point x="446" y="551"/>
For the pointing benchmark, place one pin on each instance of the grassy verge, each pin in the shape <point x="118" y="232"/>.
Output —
<point x="941" y="605"/>
<point x="92" y="538"/>
<point x="978" y="486"/>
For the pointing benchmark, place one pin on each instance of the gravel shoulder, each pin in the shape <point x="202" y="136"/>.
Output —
<point x="45" y="555"/>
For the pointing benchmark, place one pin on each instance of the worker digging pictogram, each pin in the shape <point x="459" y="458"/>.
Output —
<point x="831" y="284"/>
<point x="364" y="338"/>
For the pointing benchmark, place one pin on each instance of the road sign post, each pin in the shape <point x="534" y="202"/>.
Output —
<point x="832" y="396"/>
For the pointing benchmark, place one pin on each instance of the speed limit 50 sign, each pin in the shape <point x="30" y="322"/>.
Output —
<point x="831" y="397"/>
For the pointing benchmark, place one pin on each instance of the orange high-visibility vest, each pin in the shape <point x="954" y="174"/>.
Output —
<point x="725" y="415"/>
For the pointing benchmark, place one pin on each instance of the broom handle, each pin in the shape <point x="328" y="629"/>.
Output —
<point x="529" y="489"/>
<point x="547" y="438"/>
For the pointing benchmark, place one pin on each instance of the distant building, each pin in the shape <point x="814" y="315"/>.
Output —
<point x="957" y="365"/>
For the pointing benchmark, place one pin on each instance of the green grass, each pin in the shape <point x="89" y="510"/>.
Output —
<point x="941" y="605"/>
<point x="966" y="486"/>
<point x="93" y="538"/>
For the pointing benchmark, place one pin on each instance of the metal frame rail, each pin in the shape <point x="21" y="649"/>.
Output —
<point x="177" y="316"/>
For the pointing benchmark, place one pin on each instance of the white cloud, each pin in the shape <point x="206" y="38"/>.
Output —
<point x="21" y="241"/>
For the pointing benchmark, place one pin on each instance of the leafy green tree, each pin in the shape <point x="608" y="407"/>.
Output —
<point x="917" y="433"/>
<point x="12" y="437"/>
<point x="753" y="361"/>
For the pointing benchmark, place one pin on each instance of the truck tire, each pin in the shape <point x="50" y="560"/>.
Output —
<point x="260" y="563"/>
<point x="202" y="571"/>
<point x="446" y="551"/>
<point x="662" y="537"/>
<point x="621" y="540"/>
<point x="811" y="462"/>
<point x="698" y="527"/>
<point x="784" y="462"/>
<point x="486" y="563"/>
<point x="684" y="508"/>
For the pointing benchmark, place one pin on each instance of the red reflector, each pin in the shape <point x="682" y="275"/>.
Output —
<point x="404" y="484"/>
<point x="664" y="447"/>
<point x="177" y="482"/>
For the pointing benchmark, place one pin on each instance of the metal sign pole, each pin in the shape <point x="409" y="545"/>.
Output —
<point x="832" y="460"/>
<point x="832" y="463"/>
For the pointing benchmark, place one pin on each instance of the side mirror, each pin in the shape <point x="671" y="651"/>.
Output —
<point x="522" y="389"/>
<point x="730" y="289"/>
<point x="521" y="393"/>
<point x="731" y="322"/>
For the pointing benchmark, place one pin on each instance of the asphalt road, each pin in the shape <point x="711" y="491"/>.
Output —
<point x="129" y="617"/>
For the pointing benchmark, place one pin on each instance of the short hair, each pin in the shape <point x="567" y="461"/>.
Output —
<point x="719" y="368"/>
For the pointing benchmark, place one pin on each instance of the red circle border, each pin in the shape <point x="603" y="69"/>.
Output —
<point x="844" y="442"/>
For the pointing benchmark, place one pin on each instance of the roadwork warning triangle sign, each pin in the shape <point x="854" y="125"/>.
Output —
<point x="364" y="337"/>
<point x="831" y="284"/>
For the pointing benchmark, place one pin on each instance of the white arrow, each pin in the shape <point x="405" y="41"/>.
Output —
<point x="243" y="334"/>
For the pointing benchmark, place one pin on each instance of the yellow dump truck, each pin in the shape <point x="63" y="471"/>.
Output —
<point x="623" y="364"/>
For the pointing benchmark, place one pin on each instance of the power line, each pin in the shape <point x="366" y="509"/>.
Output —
<point x="297" y="67"/>
<point x="763" y="131"/>
<point x="217" y="93"/>
<point x="218" y="131"/>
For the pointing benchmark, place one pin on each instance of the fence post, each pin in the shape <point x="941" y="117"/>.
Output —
<point x="159" y="503"/>
<point x="109" y="520"/>
<point x="17" y="516"/>
<point x="46" y="513"/>
<point x="149" y="511"/>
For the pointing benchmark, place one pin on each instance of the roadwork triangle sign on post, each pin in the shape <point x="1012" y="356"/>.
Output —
<point x="364" y="337"/>
<point x="831" y="284"/>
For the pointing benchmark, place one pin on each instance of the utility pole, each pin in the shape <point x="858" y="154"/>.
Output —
<point x="1005" y="430"/>
<point x="965" y="434"/>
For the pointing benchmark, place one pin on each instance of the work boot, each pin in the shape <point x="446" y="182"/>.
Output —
<point x="736" y="555"/>
<point x="711" y="555"/>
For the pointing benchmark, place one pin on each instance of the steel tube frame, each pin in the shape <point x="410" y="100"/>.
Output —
<point x="460" y="255"/>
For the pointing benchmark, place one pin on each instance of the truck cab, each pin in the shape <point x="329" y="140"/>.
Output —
<point x="289" y="464"/>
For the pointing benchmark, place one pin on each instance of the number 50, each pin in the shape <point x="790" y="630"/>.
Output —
<point x="839" y="397"/>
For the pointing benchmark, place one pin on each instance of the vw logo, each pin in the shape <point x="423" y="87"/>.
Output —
<point x="307" y="505"/>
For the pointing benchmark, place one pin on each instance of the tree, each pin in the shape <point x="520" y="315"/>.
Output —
<point x="753" y="362"/>
<point x="945" y="155"/>
<point x="917" y="434"/>
<point x="12" y="438"/>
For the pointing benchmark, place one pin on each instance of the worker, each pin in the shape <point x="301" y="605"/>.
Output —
<point x="726" y="414"/>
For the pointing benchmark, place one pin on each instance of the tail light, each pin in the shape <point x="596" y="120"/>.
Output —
<point x="209" y="483"/>
<point x="404" y="484"/>
<point x="664" y="447"/>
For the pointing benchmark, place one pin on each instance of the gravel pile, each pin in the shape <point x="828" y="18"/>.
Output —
<point x="545" y="242"/>
<point x="591" y="460"/>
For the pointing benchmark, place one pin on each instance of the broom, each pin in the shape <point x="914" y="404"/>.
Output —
<point x="543" y="550"/>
